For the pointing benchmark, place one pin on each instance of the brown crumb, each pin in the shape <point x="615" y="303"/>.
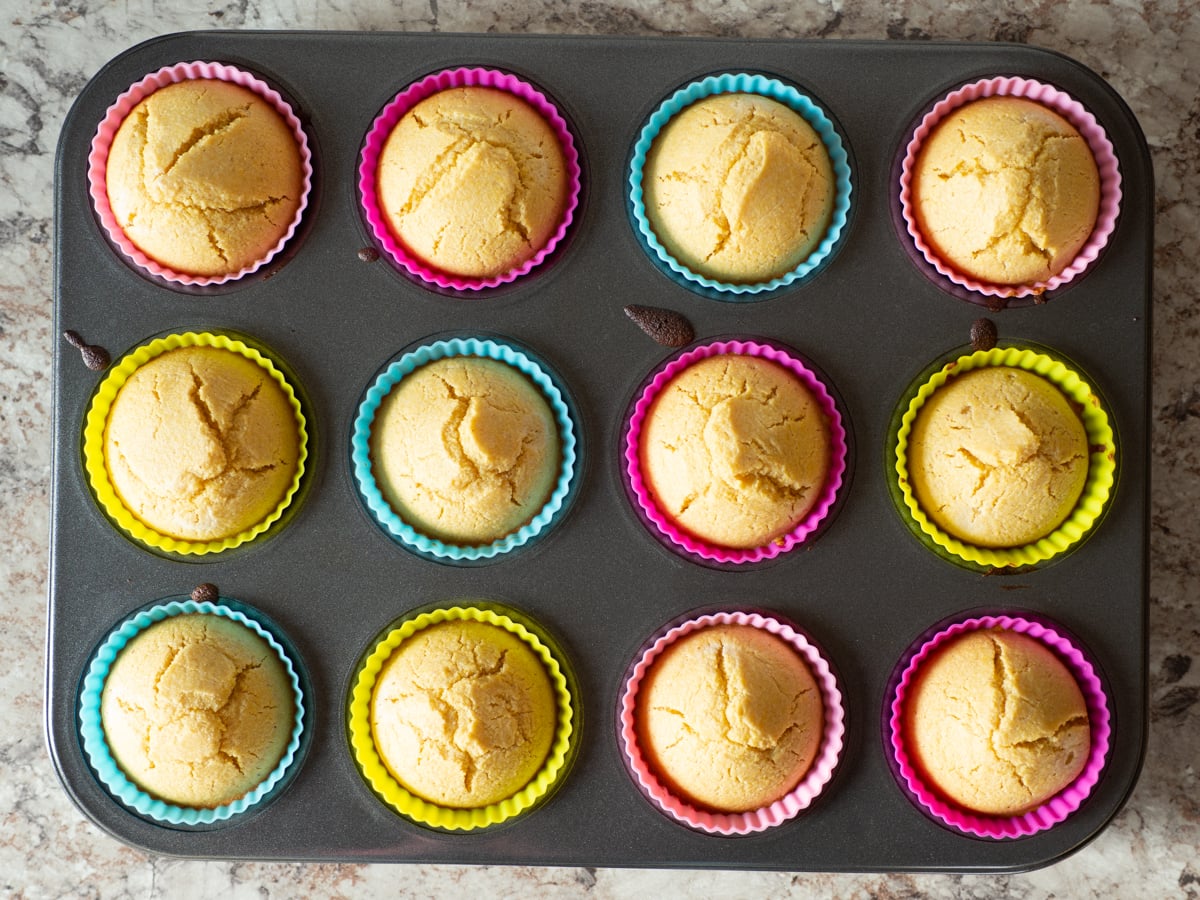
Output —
<point x="665" y="326"/>
<point x="983" y="334"/>
<point x="205" y="593"/>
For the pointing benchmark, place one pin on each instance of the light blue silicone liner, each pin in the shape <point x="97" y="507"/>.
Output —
<point x="746" y="84"/>
<point x="361" y="452"/>
<point x="95" y="745"/>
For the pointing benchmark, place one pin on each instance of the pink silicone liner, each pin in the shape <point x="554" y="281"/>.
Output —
<point x="833" y="478"/>
<point x="98" y="162"/>
<point x="1058" y="807"/>
<point x="1071" y="110"/>
<point x="783" y="809"/>
<point x="394" y="112"/>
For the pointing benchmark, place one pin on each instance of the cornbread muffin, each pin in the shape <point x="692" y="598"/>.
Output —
<point x="735" y="449"/>
<point x="473" y="181"/>
<point x="463" y="714"/>
<point x="997" y="722"/>
<point x="997" y="457"/>
<point x="738" y="188"/>
<point x="201" y="443"/>
<point x="730" y="717"/>
<point x="197" y="710"/>
<point x="465" y="449"/>
<point x="205" y="177"/>
<point x="1006" y="190"/>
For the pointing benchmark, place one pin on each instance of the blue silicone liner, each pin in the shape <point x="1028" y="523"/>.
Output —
<point x="95" y="745"/>
<point x="746" y="84"/>
<point x="383" y="513"/>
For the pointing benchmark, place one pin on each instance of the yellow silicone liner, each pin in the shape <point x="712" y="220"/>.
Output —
<point x="96" y="423"/>
<point x="1102" y="464"/>
<point x="410" y="805"/>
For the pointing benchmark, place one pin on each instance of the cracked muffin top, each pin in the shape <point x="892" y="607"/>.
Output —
<point x="201" y="443"/>
<point x="463" y="714"/>
<point x="997" y="722"/>
<point x="473" y="181"/>
<point x="1006" y="190"/>
<point x="735" y="450"/>
<point x="204" y="176"/>
<point x="731" y="717"/>
<point x="465" y="449"/>
<point x="197" y="710"/>
<point x="738" y="188"/>
<point x="997" y="457"/>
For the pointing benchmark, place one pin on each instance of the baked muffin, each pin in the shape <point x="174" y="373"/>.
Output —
<point x="996" y="722"/>
<point x="738" y="187"/>
<point x="1006" y="190"/>
<point x="201" y="443"/>
<point x="997" y="457"/>
<point x="473" y="181"/>
<point x="197" y="710"/>
<point x="735" y="450"/>
<point x="465" y="449"/>
<point x="205" y="177"/>
<point x="730" y="717"/>
<point x="463" y="714"/>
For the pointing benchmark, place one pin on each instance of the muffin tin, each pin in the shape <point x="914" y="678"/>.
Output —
<point x="863" y="587"/>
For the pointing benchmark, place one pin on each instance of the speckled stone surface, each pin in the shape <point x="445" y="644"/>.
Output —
<point x="1149" y="52"/>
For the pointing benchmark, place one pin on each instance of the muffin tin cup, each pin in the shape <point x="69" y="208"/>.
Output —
<point x="95" y="745"/>
<point x="1083" y="121"/>
<point x="391" y="115"/>
<point x="390" y="790"/>
<point x="403" y="533"/>
<point x="96" y="424"/>
<point x="107" y="130"/>
<point x="1097" y="489"/>
<point x="687" y="544"/>
<point x="1058" y="807"/>
<point x="785" y="808"/>
<point x="773" y="89"/>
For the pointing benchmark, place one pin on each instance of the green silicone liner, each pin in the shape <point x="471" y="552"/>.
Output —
<point x="421" y="811"/>
<point x="1102" y="464"/>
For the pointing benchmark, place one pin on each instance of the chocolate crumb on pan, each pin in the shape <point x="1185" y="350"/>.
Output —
<point x="665" y="326"/>
<point x="368" y="254"/>
<point x="95" y="358"/>
<point x="205" y="593"/>
<point x="983" y="334"/>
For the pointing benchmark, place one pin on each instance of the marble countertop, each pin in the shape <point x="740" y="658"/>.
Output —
<point x="1149" y="52"/>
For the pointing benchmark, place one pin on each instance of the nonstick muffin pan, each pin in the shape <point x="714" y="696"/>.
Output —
<point x="863" y="588"/>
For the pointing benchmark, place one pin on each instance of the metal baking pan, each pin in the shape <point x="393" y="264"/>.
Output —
<point x="865" y="589"/>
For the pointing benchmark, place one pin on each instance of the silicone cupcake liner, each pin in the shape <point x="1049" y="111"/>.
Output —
<point x="747" y="84"/>
<point x="1071" y="110"/>
<point x="681" y="540"/>
<point x="405" y="534"/>
<point x="95" y="745"/>
<point x="786" y="807"/>
<point x="394" y="112"/>
<point x="1097" y="488"/>
<point x="393" y="793"/>
<point x="102" y="142"/>
<point x="97" y="422"/>
<point x="1062" y="804"/>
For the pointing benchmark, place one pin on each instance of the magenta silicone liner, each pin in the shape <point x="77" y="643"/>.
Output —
<point x="1058" y="807"/>
<point x="829" y="490"/>
<point x="394" y="112"/>
<point x="783" y="809"/>
<point x="98" y="163"/>
<point x="1071" y="110"/>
